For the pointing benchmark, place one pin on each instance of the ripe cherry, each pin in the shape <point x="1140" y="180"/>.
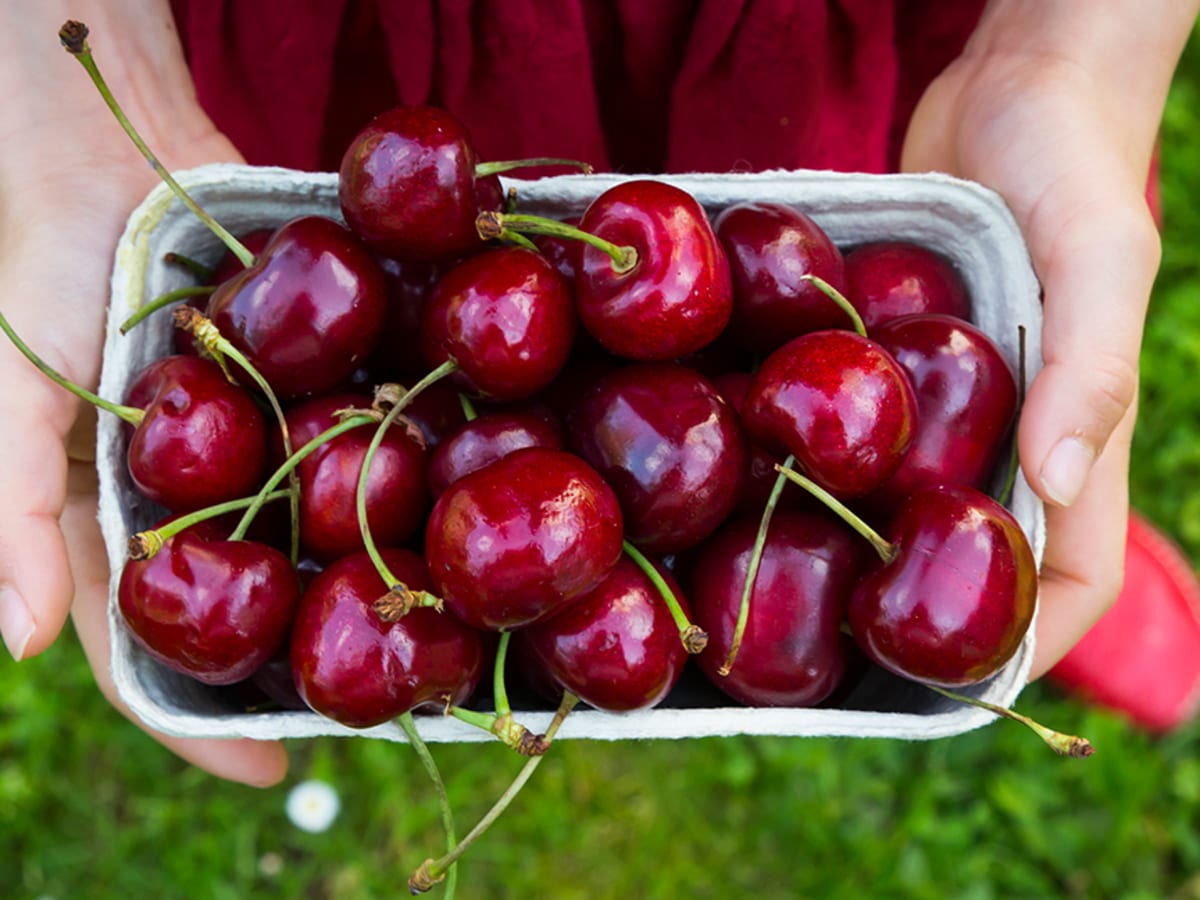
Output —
<point x="888" y="279"/>
<point x="485" y="439"/>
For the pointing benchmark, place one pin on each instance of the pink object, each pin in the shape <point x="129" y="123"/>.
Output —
<point x="1143" y="657"/>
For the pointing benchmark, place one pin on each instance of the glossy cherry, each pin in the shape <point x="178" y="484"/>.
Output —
<point x="792" y="652"/>
<point x="966" y="402"/>
<point x="669" y="445"/>
<point x="840" y="404"/>
<point x="359" y="670"/>
<point x="888" y="279"/>
<point x="616" y="647"/>
<point x="676" y="298"/>
<point x="505" y="317"/>
<point x="953" y="605"/>
<point x="771" y="246"/>
<point x="208" y="607"/>
<point x="518" y="540"/>
<point x="308" y="312"/>
<point x="202" y="440"/>
<point x="407" y="185"/>
<point x="489" y="437"/>
<point x="398" y="355"/>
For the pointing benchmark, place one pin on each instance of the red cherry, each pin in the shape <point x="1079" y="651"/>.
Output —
<point x="888" y="279"/>
<point x="211" y="608"/>
<point x="359" y="670"/>
<point x="518" y="540"/>
<point x="482" y="441"/>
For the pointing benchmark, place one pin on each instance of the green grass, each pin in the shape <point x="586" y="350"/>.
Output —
<point x="89" y="807"/>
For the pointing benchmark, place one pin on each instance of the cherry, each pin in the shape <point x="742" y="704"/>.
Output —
<point x="398" y="354"/>
<point x="518" y="540"/>
<point x="792" y="652"/>
<point x="616" y="647"/>
<point x="505" y="317"/>
<point x="966" y="401"/>
<point x="484" y="440"/>
<point x="771" y="247"/>
<point x="309" y="309"/>
<point x="208" y="607"/>
<point x="397" y="497"/>
<point x="671" y="448"/>
<point x="229" y="264"/>
<point x="359" y="670"/>
<point x="953" y="602"/>
<point x="840" y="404"/>
<point x="895" y="278"/>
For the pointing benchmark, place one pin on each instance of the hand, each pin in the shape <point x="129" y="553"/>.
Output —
<point x="68" y="181"/>
<point x="1070" y="156"/>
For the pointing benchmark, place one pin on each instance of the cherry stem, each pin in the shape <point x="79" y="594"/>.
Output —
<point x="144" y="544"/>
<point x="197" y="268"/>
<point x="432" y="871"/>
<point x="484" y="169"/>
<point x="500" y="722"/>
<point x="499" y="690"/>
<point x="760" y="542"/>
<point x="164" y="300"/>
<point x="692" y="636"/>
<point x="886" y="549"/>
<point x="290" y="464"/>
<point x="74" y="37"/>
<point x="360" y="493"/>
<point x="414" y="738"/>
<point x="840" y="299"/>
<point x="1014" y="459"/>
<point x="502" y="225"/>
<point x="468" y="407"/>
<point x="130" y="414"/>
<point x="1062" y="744"/>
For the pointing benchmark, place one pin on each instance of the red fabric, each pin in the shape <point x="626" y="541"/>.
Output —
<point x="673" y="85"/>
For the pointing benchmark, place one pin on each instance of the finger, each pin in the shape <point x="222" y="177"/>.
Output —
<point x="1083" y="566"/>
<point x="255" y="763"/>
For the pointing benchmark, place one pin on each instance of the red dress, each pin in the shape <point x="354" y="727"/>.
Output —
<point x="627" y="85"/>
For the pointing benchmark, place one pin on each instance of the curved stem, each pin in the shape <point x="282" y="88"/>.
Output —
<point x="495" y="167"/>
<point x="198" y="269"/>
<point x="502" y="225"/>
<point x="414" y="738"/>
<point x="432" y="871"/>
<point x="145" y="544"/>
<point x="499" y="690"/>
<point x="74" y="37"/>
<point x="130" y="414"/>
<point x="760" y="542"/>
<point x="1060" y="743"/>
<point x="692" y="636"/>
<point x="164" y="300"/>
<point x="837" y="297"/>
<point x="886" y="550"/>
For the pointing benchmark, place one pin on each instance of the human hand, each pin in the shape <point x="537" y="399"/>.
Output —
<point x="1068" y="144"/>
<point x="68" y="179"/>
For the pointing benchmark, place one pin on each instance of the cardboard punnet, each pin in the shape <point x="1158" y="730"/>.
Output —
<point x="965" y="222"/>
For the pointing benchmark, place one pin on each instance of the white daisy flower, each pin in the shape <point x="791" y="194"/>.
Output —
<point x="313" y="805"/>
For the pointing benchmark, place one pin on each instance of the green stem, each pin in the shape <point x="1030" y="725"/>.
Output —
<point x="484" y="169"/>
<point x="432" y="871"/>
<point x="145" y="544"/>
<point x="170" y="298"/>
<point x="74" y="37"/>
<point x="502" y="225"/>
<point x="129" y="414"/>
<point x="760" y="542"/>
<point x="837" y="297"/>
<point x="692" y="636"/>
<point x="468" y="407"/>
<point x="887" y="551"/>
<point x="1062" y="744"/>
<point x="435" y="775"/>
<point x="198" y="269"/>
<point x="499" y="690"/>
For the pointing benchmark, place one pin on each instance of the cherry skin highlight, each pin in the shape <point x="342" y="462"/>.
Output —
<point x="888" y="279"/>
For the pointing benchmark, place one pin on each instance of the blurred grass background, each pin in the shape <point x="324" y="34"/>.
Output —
<point x="90" y="808"/>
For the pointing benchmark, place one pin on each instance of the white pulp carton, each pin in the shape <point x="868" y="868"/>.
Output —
<point x="967" y="223"/>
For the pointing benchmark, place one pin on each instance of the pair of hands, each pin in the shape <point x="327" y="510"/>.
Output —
<point x="1042" y="133"/>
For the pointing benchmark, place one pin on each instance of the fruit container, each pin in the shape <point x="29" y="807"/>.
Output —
<point x="961" y="220"/>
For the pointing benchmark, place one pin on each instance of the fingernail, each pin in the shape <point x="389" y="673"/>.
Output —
<point x="16" y="622"/>
<point x="1066" y="469"/>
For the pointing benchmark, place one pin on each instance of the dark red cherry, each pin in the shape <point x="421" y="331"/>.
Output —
<point x="211" y="608"/>
<point x="669" y="445"/>
<point x="895" y="278"/>
<point x="840" y="404"/>
<point x="201" y="441"/>
<point x="506" y="317"/>
<point x="518" y="540"/>
<point x="229" y="265"/>
<point x="397" y="494"/>
<point x="954" y="605"/>
<point x="310" y="309"/>
<point x="676" y="298"/>
<point x="966" y="401"/>
<point x="408" y="188"/>
<point x="359" y="670"/>
<point x="398" y="355"/>
<point x="771" y="247"/>
<point x="792" y="652"/>
<point x="616" y="647"/>
<point x="485" y="439"/>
